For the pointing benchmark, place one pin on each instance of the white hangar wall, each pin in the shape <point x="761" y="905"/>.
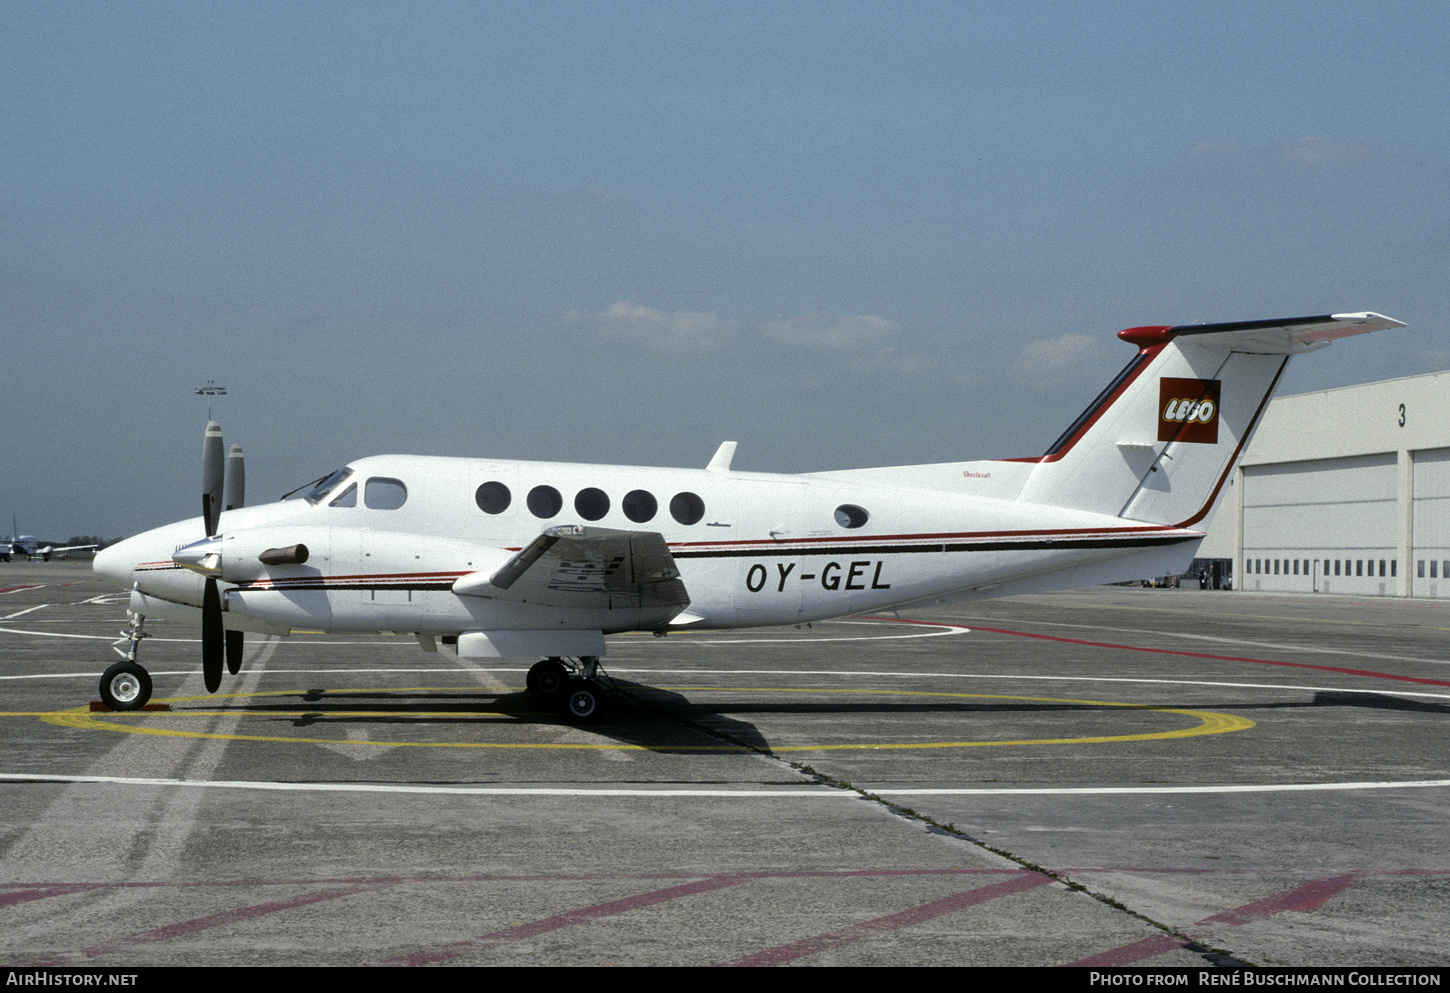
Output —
<point x="1344" y="491"/>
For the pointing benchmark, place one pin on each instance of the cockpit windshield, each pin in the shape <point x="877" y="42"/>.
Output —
<point x="324" y="486"/>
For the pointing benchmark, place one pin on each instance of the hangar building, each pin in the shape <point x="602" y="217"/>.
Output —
<point x="1344" y="491"/>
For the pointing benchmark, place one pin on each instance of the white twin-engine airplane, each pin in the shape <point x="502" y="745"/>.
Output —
<point x="503" y="559"/>
<point x="32" y="547"/>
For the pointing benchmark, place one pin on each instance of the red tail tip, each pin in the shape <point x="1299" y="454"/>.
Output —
<point x="1148" y="336"/>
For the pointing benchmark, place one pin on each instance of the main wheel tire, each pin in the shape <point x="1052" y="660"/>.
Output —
<point x="582" y="702"/>
<point x="547" y="679"/>
<point x="125" y="686"/>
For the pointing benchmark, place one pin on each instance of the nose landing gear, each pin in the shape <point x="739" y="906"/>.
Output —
<point x="126" y="685"/>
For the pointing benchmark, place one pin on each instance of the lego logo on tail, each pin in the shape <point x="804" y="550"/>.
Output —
<point x="1188" y="410"/>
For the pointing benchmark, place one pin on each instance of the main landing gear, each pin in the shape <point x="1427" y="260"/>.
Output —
<point x="126" y="685"/>
<point x="577" y="689"/>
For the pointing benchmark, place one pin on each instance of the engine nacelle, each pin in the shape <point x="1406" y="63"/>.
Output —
<point x="256" y="553"/>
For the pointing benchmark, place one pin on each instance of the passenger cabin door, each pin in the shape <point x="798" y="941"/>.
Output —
<point x="768" y="583"/>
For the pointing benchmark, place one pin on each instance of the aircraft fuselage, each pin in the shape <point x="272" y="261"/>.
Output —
<point x="751" y="548"/>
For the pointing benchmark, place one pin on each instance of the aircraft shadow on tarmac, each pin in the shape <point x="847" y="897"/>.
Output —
<point x="656" y="719"/>
<point x="1342" y="698"/>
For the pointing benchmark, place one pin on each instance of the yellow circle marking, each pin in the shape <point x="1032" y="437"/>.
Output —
<point x="1209" y="722"/>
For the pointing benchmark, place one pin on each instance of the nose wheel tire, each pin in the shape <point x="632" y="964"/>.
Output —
<point x="125" y="686"/>
<point x="582" y="702"/>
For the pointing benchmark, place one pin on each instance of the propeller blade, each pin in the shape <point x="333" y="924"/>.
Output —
<point x="213" y="636"/>
<point x="212" y="466"/>
<point x="234" y="652"/>
<point x="236" y="485"/>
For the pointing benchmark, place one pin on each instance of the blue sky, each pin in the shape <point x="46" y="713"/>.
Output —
<point x="841" y="234"/>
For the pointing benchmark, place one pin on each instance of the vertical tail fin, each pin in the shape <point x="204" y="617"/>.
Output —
<point x="1160" y="442"/>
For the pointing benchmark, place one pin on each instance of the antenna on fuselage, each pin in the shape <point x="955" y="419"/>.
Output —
<point x="211" y="389"/>
<point x="724" y="455"/>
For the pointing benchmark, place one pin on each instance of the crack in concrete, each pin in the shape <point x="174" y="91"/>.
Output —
<point x="1216" y="957"/>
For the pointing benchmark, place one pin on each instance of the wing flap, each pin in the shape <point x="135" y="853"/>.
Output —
<point x="586" y="568"/>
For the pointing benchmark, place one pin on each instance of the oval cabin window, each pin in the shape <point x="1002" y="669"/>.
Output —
<point x="640" y="506"/>
<point x="687" y="508"/>
<point x="591" y="504"/>
<point x="545" y="501"/>
<point x="493" y="498"/>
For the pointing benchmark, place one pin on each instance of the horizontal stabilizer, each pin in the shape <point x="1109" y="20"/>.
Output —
<point x="1278" y="336"/>
<point x="1160" y="443"/>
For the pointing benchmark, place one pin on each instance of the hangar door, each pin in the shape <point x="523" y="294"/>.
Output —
<point x="1326" y="525"/>
<point x="1431" y="541"/>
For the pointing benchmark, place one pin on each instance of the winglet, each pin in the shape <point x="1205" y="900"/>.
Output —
<point x="724" y="455"/>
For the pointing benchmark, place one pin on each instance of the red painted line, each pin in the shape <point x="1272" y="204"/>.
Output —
<point x="206" y="923"/>
<point x="1310" y="896"/>
<point x="1223" y="658"/>
<point x="891" y="922"/>
<point x="569" y="919"/>
<point x="63" y="889"/>
<point x="1136" y="952"/>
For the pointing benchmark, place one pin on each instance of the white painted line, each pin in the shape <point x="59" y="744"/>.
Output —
<point x="270" y="671"/>
<point x="18" y="613"/>
<point x="817" y="792"/>
<point x="196" y="639"/>
<point x="936" y="631"/>
<point x="814" y="793"/>
<point x="58" y="634"/>
<point x="1131" y="790"/>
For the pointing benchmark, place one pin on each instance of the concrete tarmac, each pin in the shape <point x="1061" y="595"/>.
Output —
<point x="1109" y="776"/>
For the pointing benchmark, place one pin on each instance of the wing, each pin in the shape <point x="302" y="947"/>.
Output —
<point x="588" y="568"/>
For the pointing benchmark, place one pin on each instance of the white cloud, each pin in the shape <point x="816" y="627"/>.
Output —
<point x="1051" y="355"/>
<point x="672" y="331"/>
<point x="823" y="331"/>
<point x="888" y="359"/>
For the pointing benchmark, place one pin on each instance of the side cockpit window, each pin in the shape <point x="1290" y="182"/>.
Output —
<point x="347" y="498"/>
<point x="382" y="493"/>
<point x="325" y="485"/>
